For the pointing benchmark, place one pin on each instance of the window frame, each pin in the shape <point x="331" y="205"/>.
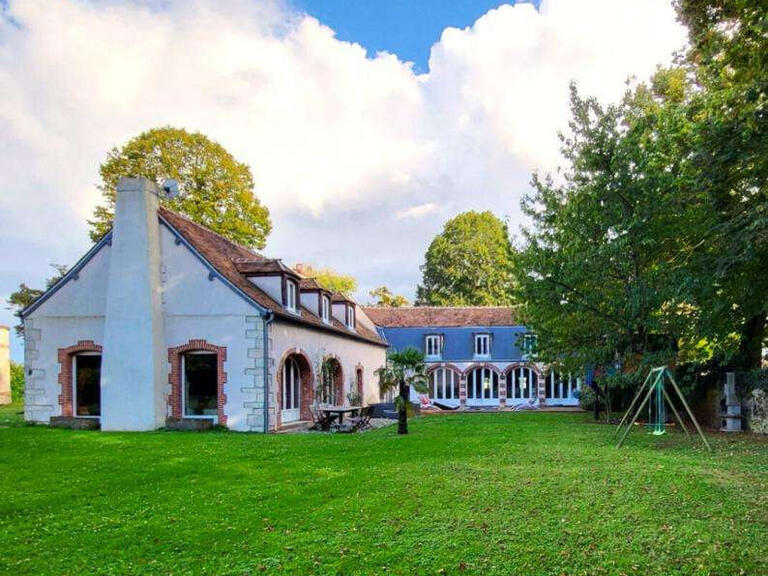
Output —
<point x="478" y="338"/>
<point x="350" y="317"/>
<point x="291" y="288"/>
<point x="74" y="385"/>
<point x="183" y="387"/>
<point x="325" y="308"/>
<point x="439" y="345"/>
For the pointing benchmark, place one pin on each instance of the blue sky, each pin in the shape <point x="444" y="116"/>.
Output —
<point x="360" y="157"/>
<point x="407" y="28"/>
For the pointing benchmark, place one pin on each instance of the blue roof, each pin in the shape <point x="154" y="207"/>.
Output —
<point x="459" y="342"/>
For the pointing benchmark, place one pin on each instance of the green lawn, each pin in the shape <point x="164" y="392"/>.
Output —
<point x="509" y="493"/>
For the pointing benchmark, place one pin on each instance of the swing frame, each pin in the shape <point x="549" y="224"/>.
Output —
<point x="657" y="377"/>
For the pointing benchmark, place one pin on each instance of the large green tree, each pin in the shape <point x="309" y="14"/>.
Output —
<point x="215" y="189"/>
<point x="728" y="58"/>
<point x="600" y="266"/>
<point x="470" y="263"/>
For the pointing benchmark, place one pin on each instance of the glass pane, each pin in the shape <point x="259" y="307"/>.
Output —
<point x="200" y="385"/>
<point x="88" y="385"/>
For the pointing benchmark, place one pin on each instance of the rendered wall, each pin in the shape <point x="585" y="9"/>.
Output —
<point x="317" y="345"/>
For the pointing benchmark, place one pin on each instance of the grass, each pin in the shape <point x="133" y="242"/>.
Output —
<point x="508" y="493"/>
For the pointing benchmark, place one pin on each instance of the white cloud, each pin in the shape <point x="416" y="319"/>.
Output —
<point x="419" y="211"/>
<point x="359" y="159"/>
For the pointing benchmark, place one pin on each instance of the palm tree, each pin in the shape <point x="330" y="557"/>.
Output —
<point x="403" y="370"/>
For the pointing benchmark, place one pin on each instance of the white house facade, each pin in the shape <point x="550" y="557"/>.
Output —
<point x="164" y="321"/>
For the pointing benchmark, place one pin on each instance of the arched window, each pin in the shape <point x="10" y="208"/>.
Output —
<point x="561" y="387"/>
<point x="443" y="384"/>
<point x="332" y="383"/>
<point x="522" y="384"/>
<point x="483" y="384"/>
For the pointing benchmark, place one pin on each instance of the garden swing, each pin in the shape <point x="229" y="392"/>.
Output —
<point x="655" y="396"/>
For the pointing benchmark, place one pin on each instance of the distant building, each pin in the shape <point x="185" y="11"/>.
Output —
<point x="476" y="356"/>
<point x="5" y="366"/>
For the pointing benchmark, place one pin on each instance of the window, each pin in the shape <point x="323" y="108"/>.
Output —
<point x="522" y="383"/>
<point x="444" y="384"/>
<point x="482" y="344"/>
<point x="483" y="384"/>
<point x="351" y="317"/>
<point x="560" y="387"/>
<point x="529" y="344"/>
<point x="291" y="296"/>
<point x="325" y="309"/>
<point x="291" y="385"/>
<point x="433" y="345"/>
<point x="200" y="377"/>
<point x="87" y="385"/>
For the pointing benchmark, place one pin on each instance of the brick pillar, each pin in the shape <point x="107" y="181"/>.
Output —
<point x="542" y="380"/>
<point x="463" y="390"/>
<point x="502" y="391"/>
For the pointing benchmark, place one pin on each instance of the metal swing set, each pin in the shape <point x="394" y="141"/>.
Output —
<point x="655" y="396"/>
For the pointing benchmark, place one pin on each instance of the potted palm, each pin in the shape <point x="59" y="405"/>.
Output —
<point x="403" y="370"/>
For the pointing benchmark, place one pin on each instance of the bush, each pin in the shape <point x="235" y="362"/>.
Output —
<point x="17" y="381"/>
<point x="587" y="398"/>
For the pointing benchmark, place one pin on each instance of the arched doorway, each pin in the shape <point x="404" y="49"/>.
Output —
<point x="444" y="386"/>
<point x="331" y="382"/>
<point x="522" y="385"/>
<point x="483" y="387"/>
<point x="295" y="388"/>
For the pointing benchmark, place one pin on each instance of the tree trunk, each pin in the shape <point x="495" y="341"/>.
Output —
<point x="751" y="347"/>
<point x="402" y="413"/>
<point x="596" y="389"/>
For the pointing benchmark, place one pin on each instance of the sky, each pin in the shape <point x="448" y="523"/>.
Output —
<point x="367" y="125"/>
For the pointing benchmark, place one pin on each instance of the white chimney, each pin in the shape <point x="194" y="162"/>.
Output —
<point x="134" y="360"/>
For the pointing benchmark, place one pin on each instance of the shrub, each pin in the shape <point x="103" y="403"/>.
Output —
<point x="17" y="381"/>
<point x="587" y="398"/>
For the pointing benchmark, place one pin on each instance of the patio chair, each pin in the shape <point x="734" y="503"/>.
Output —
<point x="357" y="423"/>
<point x="323" y="421"/>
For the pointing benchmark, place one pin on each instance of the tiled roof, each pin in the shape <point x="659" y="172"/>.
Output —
<point x="226" y="258"/>
<point x="417" y="316"/>
<point x="336" y="297"/>
<point x="259" y="265"/>
<point x="310" y="284"/>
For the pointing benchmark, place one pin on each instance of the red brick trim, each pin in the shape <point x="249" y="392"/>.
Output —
<point x="65" y="373"/>
<point x="174" y="376"/>
<point x="338" y="378"/>
<point x="307" y="384"/>
<point x="471" y="367"/>
<point x="360" y="381"/>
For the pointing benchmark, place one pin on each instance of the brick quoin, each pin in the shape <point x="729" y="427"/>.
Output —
<point x="65" y="372"/>
<point x="174" y="377"/>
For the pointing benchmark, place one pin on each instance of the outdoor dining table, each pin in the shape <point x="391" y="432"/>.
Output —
<point x="340" y="411"/>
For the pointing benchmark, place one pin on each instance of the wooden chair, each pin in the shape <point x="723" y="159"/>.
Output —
<point x="322" y="420"/>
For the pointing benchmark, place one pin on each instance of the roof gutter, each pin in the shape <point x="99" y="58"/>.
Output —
<point x="268" y="317"/>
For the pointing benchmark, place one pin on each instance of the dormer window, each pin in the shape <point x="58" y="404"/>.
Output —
<point x="325" y="309"/>
<point x="351" y="317"/>
<point x="482" y="344"/>
<point x="433" y="345"/>
<point x="291" y="296"/>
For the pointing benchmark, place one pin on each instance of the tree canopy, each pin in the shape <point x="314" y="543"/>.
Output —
<point x="385" y="298"/>
<point x="215" y="190"/>
<point x="652" y="240"/>
<point x="24" y="296"/>
<point x="470" y="263"/>
<point x="329" y="279"/>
